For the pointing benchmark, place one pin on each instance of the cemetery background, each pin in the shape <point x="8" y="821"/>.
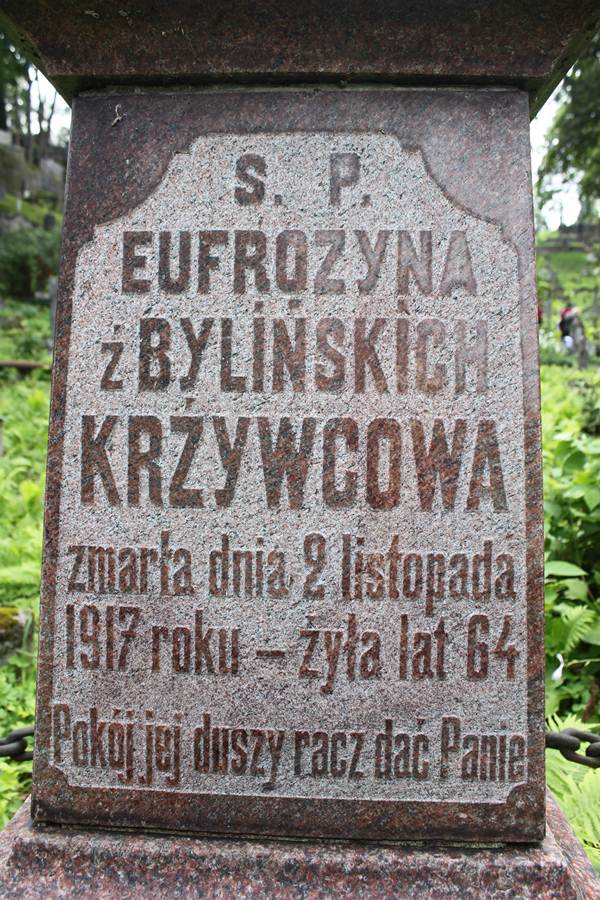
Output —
<point x="568" y="270"/>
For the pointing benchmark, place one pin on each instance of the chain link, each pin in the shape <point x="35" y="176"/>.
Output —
<point x="14" y="745"/>
<point x="567" y="742"/>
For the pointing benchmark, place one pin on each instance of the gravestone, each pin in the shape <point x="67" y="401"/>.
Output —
<point x="293" y="556"/>
<point x="297" y="570"/>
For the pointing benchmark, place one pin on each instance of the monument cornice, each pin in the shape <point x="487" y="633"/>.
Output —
<point x="483" y="42"/>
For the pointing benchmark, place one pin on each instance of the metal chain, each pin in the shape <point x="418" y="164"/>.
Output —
<point x="14" y="745"/>
<point x="567" y="742"/>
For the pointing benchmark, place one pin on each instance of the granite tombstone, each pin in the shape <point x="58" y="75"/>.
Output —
<point x="293" y="551"/>
<point x="293" y="557"/>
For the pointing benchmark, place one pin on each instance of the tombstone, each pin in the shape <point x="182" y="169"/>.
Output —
<point x="52" y="177"/>
<point x="293" y="559"/>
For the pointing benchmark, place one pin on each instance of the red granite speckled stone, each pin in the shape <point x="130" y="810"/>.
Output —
<point x="65" y="862"/>
<point x="443" y="42"/>
<point x="293" y="553"/>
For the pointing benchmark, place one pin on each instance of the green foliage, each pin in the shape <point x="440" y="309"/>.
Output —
<point x="27" y="259"/>
<point x="577" y="790"/>
<point x="24" y="407"/>
<point x="24" y="333"/>
<point x="573" y="148"/>
<point x="563" y="277"/>
<point x="13" y="67"/>
<point x="574" y="269"/>
<point x="17" y="710"/>
<point x="33" y="210"/>
<point x="551" y="353"/>
<point x="591" y="412"/>
<point x="572" y="543"/>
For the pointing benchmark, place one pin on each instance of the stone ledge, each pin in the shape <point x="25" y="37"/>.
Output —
<point x="67" y="862"/>
<point x="529" y="45"/>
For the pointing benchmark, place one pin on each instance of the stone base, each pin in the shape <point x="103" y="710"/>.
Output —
<point x="67" y="862"/>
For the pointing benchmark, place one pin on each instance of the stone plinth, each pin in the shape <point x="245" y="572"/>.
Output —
<point x="67" y="862"/>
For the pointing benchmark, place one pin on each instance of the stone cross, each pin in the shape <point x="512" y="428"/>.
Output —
<point x="293" y="576"/>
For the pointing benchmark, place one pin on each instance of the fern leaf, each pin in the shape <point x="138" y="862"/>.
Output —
<point x="578" y="620"/>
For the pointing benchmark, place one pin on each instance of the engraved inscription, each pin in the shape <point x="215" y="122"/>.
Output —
<point x="292" y="526"/>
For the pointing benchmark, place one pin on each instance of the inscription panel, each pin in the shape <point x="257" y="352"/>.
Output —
<point x="291" y="555"/>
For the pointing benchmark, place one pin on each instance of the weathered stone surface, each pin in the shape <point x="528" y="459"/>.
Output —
<point x="293" y="554"/>
<point x="529" y="45"/>
<point x="66" y="862"/>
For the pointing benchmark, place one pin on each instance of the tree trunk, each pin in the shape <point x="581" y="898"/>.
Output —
<point x="45" y="122"/>
<point x="3" y="116"/>
<point x="28" y="138"/>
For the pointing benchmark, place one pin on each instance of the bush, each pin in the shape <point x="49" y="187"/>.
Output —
<point x="572" y="544"/>
<point x="27" y="259"/>
<point x="24" y="406"/>
<point x="25" y="333"/>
